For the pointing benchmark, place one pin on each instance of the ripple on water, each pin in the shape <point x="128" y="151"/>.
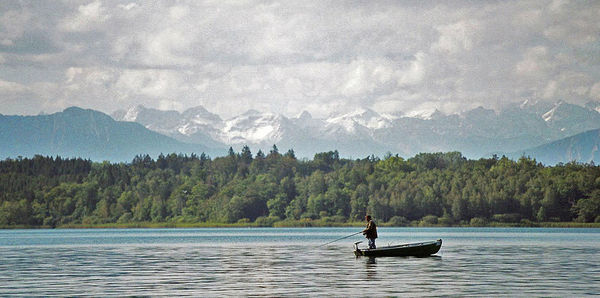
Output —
<point x="468" y="264"/>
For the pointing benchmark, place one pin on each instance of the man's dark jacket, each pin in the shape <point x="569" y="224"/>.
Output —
<point x="371" y="231"/>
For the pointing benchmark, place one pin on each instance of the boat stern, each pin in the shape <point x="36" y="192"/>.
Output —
<point x="357" y="251"/>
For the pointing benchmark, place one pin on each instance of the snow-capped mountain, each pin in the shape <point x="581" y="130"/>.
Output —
<point x="363" y="118"/>
<point x="306" y="121"/>
<point x="476" y="133"/>
<point x="254" y="127"/>
<point x="195" y="125"/>
<point x="571" y="118"/>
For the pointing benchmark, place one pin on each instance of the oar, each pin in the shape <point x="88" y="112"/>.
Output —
<point x="340" y="239"/>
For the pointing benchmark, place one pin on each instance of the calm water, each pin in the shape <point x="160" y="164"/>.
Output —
<point x="288" y="262"/>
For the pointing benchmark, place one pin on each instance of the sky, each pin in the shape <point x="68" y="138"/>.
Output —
<point x="325" y="57"/>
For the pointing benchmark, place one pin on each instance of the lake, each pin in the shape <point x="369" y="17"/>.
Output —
<point x="289" y="262"/>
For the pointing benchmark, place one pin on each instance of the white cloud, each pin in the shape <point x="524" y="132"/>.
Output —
<point x="550" y="90"/>
<point x="573" y="85"/>
<point x="536" y="62"/>
<point x="316" y="56"/>
<point x="456" y="38"/>
<point x="72" y="72"/>
<point x="13" y="23"/>
<point x="557" y="5"/>
<point x="7" y="87"/>
<point x="363" y="77"/>
<point x="399" y="102"/>
<point x="162" y="48"/>
<point x="573" y="22"/>
<point x="179" y="11"/>
<point x="151" y="83"/>
<point x="415" y="73"/>
<point x="165" y="104"/>
<point x="128" y="6"/>
<point x="86" y="17"/>
<point x="595" y="91"/>
<point x="16" y="98"/>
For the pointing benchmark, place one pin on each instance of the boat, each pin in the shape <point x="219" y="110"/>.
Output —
<point x="420" y="249"/>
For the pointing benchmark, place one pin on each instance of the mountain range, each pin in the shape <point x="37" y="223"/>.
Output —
<point x="476" y="133"/>
<point x="549" y="132"/>
<point x="89" y="134"/>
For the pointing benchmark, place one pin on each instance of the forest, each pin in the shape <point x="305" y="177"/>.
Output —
<point x="277" y="189"/>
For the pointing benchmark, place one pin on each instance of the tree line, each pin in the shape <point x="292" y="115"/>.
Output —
<point x="241" y="187"/>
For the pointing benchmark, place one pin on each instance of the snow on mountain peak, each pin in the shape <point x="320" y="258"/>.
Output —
<point x="132" y="113"/>
<point x="391" y="116"/>
<point x="363" y="117"/>
<point x="199" y="115"/>
<point x="593" y="105"/>
<point x="549" y="116"/>
<point x="253" y="127"/>
<point x="421" y="114"/>
<point x="528" y="103"/>
<point x="364" y="130"/>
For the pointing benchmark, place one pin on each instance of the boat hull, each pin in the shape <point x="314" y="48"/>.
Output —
<point x="421" y="249"/>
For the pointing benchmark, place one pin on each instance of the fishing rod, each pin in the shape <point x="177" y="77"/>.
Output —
<point x="340" y="239"/>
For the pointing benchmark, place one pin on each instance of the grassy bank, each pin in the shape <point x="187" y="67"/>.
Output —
<point x="300" y="223"/>
<point x="570" y="225"/>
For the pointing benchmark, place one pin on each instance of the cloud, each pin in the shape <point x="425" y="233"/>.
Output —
<point x="456" y="38"/>
<point x="13" y="23"/>
<point x="7" y="87"/>
<point x="595" y="91"/>
<point x="573" y="22"/>
<point x="394" y="57"/>
<point x="150" y="83"/>
<point x="571" y="84"/>
<point x="128" y="6"/>
<point x="415" y="72"/>
<point x="86" y="18"/>
<point x="536" y="62"/>
<point x="16" y="98"/>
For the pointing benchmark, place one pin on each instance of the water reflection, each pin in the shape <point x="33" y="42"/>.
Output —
<point x="370" y="260"/>
<point x="180" y="263"/>
<point x="371" y="268"/>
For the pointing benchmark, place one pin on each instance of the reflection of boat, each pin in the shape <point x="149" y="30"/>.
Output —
<point x="421" y="249"/>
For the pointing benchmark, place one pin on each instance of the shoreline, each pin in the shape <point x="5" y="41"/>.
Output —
<point x="298" y="224"/>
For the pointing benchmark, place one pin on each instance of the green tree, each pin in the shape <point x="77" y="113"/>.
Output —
<point x="588" y="209"/>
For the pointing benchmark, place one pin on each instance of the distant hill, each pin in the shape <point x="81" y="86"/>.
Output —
<point x="582" y="147"/>
<point x="76" y="132"/>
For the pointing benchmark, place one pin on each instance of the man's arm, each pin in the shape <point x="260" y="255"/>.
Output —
<point x="369" y="227"/>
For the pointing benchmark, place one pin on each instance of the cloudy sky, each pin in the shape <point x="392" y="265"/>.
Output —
<point x="289" y="56"/>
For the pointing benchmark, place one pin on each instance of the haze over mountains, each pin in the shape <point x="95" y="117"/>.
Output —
<point x="550" y="132"/>
<point x="476" y="133"/>
<point x="76" y="132"/>
<point x="582" y="147"/>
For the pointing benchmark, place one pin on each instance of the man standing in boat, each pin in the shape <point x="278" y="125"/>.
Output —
<point x="370" y="232"/>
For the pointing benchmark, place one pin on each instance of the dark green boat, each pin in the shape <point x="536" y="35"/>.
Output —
<point x="421" y="249"/>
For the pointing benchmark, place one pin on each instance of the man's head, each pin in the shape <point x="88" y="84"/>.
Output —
<point x="368" y="217"/>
